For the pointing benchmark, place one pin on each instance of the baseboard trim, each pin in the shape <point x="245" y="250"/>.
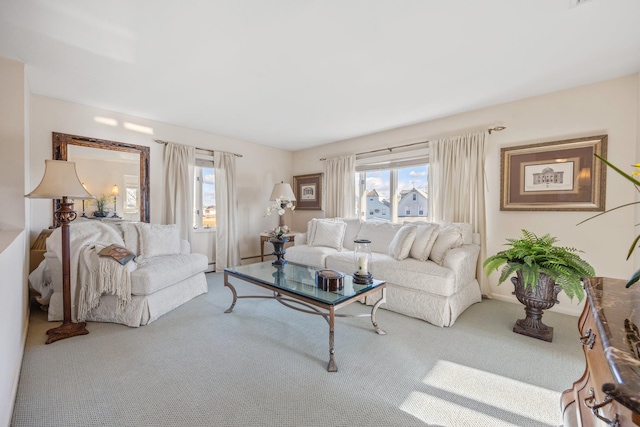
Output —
<point x="16" y="376"/>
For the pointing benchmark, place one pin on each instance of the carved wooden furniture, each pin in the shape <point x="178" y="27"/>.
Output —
<point x="608" y="393"/>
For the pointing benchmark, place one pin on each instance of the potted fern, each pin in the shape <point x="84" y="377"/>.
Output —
<point x="542" y="271"/>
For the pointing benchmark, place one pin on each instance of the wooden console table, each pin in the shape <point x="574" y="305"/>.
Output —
<point x="264" y="237"/>
<point x="608" y="393"/>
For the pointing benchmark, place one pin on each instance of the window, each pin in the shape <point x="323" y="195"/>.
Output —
<point x="204" y="200"/>
<point x="395" y="187"/>
<point x="131" y="194"/>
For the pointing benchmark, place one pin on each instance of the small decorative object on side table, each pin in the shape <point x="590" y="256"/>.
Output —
<point x="278" y="238"/>
<point x="362" y="260"/>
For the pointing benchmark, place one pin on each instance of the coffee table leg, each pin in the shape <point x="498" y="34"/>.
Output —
<point x="233" y="290"/>
<point x="375" y="309"/>
<point x="332" y="362"/>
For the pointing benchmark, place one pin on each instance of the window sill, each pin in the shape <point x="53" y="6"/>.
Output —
<point x="204" y="230"/>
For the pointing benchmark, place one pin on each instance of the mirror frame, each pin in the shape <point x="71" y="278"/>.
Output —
<point x="61" y="141"/>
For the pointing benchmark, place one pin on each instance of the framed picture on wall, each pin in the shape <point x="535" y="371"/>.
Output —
<point x="554" y="176"/>
<point x="308" y="191"/>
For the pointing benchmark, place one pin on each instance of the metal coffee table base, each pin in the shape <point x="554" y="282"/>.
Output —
<point x="313" y="307"/>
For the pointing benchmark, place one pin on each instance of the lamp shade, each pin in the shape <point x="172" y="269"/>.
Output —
<point x="114" y="191"/>
<point x="283" y="191"/>
<point x="60" y="180"/>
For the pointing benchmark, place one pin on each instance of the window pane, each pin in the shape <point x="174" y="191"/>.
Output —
<point x="377" y="184"/>
<point x="208" y="198"/>
<point x="412" y="193"/>
<point x="204" y="201"/>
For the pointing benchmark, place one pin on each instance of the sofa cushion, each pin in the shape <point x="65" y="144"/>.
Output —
<point x="380" y="233"/>
<point x="309" y="255"/>
<point x="402" y="241"/>
<point x="351" y="233"/>
<point x="449" y="237"/>
<point x="162" y="271"/>
<point x="156" y="239"/>
<point x="329" y="234"/>
<point x="131" y="238"/>
<point x="426" y="234"/>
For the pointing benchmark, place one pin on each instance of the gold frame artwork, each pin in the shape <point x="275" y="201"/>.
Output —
<point x="554" y="176"/>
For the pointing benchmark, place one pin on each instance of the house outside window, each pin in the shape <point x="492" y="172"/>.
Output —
<point x="397" y="187"/>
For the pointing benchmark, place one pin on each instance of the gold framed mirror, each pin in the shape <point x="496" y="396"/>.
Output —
<point x="61" y="143"/>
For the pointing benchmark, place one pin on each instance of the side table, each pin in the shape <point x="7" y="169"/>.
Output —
<point x="264" y="237"/>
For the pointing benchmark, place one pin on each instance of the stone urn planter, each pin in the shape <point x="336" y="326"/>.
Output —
<point x="279" y="251"/>
<point x="542" y="270"/>
<point x="542" y="297"/>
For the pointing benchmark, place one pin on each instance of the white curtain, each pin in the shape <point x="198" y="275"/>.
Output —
<point x="456" y="187"/>
<point x="178" y="166"/>
<point x="227" y="244"/>
<point x="339" y="187"/>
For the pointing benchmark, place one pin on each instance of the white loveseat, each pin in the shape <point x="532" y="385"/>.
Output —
<point x="164" y="275"/>
<point x="429" y="268"/>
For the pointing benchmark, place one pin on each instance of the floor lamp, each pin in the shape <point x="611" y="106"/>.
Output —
<point x="60" y="181"/>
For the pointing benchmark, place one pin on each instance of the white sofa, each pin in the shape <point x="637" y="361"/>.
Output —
<point x="163" y="276"/>
<point x="429" y="268"/>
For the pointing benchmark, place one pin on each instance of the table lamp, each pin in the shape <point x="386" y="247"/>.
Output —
<point x="114" y="193"/>
<point x="60" y="181"/>
<point x="282" y="191"/>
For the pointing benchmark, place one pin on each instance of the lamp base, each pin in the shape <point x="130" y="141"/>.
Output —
<point x="66" y="330"/>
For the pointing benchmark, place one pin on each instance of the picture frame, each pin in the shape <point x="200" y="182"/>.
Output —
<point x="554" y="176"/>
<point x="308" y="191"/>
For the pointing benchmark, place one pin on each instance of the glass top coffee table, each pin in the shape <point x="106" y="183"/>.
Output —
<point x="294" y="286"/>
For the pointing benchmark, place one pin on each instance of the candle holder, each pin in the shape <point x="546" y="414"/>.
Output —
<point x="362" y="262"/>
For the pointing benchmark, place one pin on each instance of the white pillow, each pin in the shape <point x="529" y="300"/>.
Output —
<point x="402" y="241"/>
<point x="465" y="229"/>
<point x="130" y="236"/>
<point x="329" y="234"/>
<point x="448" y="238"/>
<point x="426" y="234"/>
<point x="156" y="239"/>
<point x="351" y="233"/>
<point x="380" y="233"/>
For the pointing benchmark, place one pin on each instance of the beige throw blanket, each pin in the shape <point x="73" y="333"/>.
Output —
<point x="98" y="276"/>
<point x="86" y="271"/>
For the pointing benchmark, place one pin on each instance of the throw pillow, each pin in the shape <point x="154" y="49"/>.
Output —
<point x="380" y="233"/>
<point x="329" y="234"/>
<point x="130" y="236"/>
<point x="402" y="241"/>
<point x="119" y="253"/>
<point x="426" y="234"/>
<point x="156" y="239"/>
<point x="448" y="238"/>
<point x="351" y="233"/>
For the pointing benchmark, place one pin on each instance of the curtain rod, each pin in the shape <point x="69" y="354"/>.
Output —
<point x="493" y="129"/>
<point x="159" y="141"/>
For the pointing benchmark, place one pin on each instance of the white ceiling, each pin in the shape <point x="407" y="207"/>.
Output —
<point x="300" y="73"/>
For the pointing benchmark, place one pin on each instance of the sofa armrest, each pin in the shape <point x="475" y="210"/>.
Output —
<point x="462" y="261"/>
<point x="185" y="247"/>
<point x="301" y="239"/>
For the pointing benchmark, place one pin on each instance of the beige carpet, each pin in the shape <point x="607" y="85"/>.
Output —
<point x="265" y="365"/>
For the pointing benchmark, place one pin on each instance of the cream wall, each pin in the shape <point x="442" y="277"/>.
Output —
<point x="14" y="310"/>
<point x="609" y="107"/>
<point x="258" y="169"/>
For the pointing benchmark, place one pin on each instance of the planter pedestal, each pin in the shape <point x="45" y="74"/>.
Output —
<point x="543" y="297"/>
<point x="279" y="251"/>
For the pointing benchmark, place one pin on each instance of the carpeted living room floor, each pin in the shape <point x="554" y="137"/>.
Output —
<point x="265" y="365"/>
